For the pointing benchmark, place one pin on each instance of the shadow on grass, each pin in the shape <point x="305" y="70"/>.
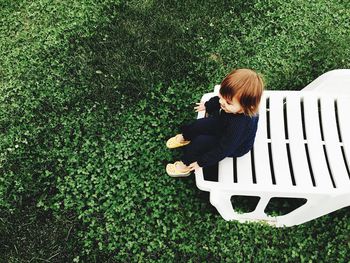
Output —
<point x="32" y="235"/>
<point x="134" y="51"/>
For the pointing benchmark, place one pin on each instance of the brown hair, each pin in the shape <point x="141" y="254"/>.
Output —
<point x="247" y="86"/>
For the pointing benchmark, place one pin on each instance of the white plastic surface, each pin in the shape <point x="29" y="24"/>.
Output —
<point x="327" y="129"/>
<point x="332" y="82"/>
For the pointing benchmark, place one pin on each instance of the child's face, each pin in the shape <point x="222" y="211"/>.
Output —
<point x="230" y="106"/>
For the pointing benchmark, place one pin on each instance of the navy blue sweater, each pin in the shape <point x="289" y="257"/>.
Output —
<point x="238" y="134"/>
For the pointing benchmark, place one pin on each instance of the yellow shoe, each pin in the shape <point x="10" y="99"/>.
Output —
<point x="173" y="171"/>
<point x="174" y="143"/>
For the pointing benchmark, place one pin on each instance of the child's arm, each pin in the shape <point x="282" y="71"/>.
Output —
<point x="212" y="105"/>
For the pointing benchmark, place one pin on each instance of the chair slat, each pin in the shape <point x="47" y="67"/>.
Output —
<point x="296" y="142"/>
<point x="332" y="143"/>
<point x="261" y="153"/>
<point x="226" y="171"/>
<point x="278" y="141"/>
<point x="314" y="142"/>
<point x="244" y="169"/>
<point x="343" y="105"/>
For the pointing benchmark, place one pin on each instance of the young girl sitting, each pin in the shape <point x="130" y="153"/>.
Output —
<point x="230" y="129"/>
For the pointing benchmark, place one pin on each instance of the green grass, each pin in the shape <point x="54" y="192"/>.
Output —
<point x="90" y="91"/>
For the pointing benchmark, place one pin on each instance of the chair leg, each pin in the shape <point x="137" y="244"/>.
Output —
<point x="222" y="202"/>
<point x="260" y="208"/>
<point x="312" y="209"/>
<point x="315" y="207"/>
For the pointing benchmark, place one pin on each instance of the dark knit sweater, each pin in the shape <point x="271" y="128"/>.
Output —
<point x="237" y="136"/>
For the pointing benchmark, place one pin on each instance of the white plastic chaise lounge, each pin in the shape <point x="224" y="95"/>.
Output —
<point x="301" y="150"/>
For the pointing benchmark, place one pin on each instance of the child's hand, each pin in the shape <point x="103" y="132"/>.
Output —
<point x="194" y="166"/>
<point x="200" y="106"/>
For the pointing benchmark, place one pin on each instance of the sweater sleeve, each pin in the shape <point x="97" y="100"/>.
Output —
<point x="230" y="141"/>
<point x="212" y="105"/>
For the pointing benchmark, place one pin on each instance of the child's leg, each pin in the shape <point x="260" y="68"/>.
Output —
<point x="199" y="145"/>
<point x="203" y="126"/>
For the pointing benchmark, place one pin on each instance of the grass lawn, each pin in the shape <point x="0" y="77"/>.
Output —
<point x="91" y="90"/>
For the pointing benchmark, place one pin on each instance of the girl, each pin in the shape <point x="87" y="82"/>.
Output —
<point x="230" y="129"/>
